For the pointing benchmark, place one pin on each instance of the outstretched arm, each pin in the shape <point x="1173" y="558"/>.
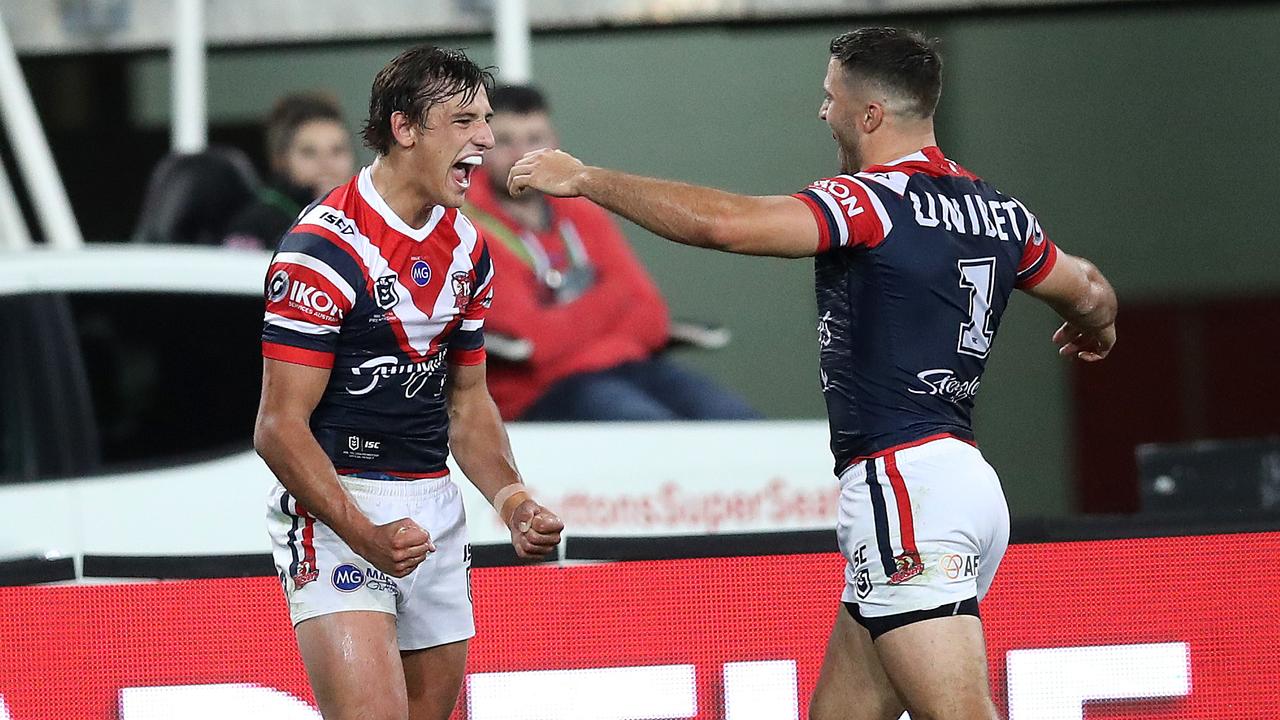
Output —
<point x="1079" y="293"/>
<point x="779" y="225"/>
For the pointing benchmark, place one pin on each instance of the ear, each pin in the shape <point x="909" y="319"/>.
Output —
<point x="404" y="131"/>
<point x="872" y="117"/>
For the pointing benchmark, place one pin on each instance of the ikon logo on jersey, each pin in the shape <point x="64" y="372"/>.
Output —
<point x="313" y="301"/>
<point x="278" y="287"/>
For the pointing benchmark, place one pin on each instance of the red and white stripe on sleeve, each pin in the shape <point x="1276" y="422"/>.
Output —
<point x="306" y="303"/>
<point x="1039" y="255"/>
<point x="848" y="213"/>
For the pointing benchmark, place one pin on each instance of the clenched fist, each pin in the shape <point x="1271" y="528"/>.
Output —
<point x="535" y="530"/>
<point x="397" y="547"/>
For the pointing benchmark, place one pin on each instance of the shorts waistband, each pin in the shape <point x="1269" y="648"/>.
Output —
<point x="922" y="447"/>
<point x="397" y="488"/>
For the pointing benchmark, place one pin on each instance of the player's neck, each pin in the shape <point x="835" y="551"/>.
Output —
<point x="898" y="146"/>
<point x="405" y="198"/>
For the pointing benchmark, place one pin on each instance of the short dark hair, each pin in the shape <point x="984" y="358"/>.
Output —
<point x="292" y="112"/>
<point x="412" y="83"/>
<point x="518" y="99"/>
<point x="904" y="61"/>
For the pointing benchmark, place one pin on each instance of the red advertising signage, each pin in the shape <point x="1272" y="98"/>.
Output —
<point x="1153" y="629"/>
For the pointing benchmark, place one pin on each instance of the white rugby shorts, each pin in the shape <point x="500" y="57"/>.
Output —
<point x="322" y="575"/>
<point x="920" y="527"/>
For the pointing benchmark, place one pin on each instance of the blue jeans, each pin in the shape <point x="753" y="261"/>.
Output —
<point x="653" y="389"/>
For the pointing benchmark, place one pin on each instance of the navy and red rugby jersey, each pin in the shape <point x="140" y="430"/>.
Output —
<point x="916" y="263"/>
<point x="353" y="288"/>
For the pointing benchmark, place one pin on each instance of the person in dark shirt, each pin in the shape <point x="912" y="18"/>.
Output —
<point x="310" y="153"/>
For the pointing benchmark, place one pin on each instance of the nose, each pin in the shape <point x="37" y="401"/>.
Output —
<point x="484" y="139"/>
<point x="822" y="110"/>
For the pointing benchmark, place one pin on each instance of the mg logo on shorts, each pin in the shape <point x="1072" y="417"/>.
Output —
<point x="347" y="577"/>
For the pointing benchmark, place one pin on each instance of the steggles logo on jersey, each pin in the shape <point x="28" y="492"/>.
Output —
<point x="943" y="383"/>
<point x="385" y="292"/>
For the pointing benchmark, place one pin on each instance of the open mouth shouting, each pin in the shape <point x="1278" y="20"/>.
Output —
<point x="462" y="170"/>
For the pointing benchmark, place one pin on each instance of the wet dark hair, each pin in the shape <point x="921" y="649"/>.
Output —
<point x="903" y="61"/>
<point x="412" y="83"/>
<point x="518" y="99"/>
<point x="292" y="112"/>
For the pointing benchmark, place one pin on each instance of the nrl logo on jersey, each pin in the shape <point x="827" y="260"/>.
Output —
<point x="384" y="292"/>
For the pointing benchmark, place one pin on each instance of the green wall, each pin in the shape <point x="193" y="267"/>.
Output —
<point x="1143" y="138"/>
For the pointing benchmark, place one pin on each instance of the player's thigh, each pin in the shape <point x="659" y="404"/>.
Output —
<point x="939" y="668"/>
<point x="433" y="678"/>
<point x="354" y="665"/>
<point x="852" y="685"/>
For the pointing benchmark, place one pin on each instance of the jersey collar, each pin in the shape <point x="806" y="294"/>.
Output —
<point x="380" y="206"/>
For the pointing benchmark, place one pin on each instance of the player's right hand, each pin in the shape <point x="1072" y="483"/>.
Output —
<point x="554" y="172"/>
<point x="397" y="547"/>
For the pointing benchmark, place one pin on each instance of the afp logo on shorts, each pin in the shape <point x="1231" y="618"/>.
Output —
<point x="348" y="577"/>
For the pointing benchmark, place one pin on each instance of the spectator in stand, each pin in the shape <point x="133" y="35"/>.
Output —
<point x="310" y="152"/>
<point x="567" y="282"/>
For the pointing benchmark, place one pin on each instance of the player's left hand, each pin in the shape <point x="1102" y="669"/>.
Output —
<point x="1084" y="344"/>
<point x="553" y="172"/>
<point x="535" y="530"/>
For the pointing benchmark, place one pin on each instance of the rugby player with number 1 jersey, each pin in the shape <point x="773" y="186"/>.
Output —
<point x="916" y="259"/>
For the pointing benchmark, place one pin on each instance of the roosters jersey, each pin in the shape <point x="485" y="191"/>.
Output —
<point x="385" y="306"/>
<point x="916" y="263"/>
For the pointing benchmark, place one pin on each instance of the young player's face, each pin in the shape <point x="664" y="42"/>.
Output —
<point x="516" y="134"/>
<point x="453" y="143"/>
<point x="840" y="110"/>
<point x="319" y="156"/>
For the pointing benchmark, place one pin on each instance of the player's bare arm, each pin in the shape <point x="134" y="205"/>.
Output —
<point x="780" y="226"/>
<point x="1079" y="293"/>
<point x="478" y="441"/>
<point x="282" y="436"/>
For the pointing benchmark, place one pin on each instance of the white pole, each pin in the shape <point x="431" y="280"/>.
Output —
<point x="13" y="228"/>
<point x="511" y="30"/>
<point x="31" y="147"/>
<point x="188" y="80"/>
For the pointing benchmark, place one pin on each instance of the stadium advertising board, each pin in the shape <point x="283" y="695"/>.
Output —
<point x="1135" y="629"/>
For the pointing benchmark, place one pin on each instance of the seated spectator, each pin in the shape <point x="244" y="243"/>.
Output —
<point x="310" y="152"/>
<point x="567" y="281"/>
